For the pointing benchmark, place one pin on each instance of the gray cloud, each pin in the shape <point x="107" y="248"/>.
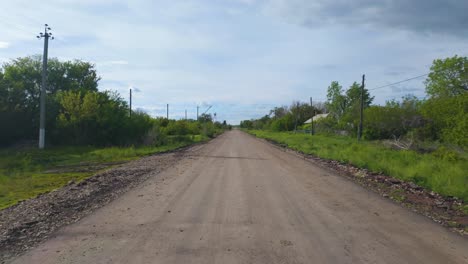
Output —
<point x="422" y="16"/>
<point x="406" y="89"/>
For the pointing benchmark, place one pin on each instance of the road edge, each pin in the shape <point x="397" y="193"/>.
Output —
<point x="30" y="222"/>
<point x="430" y="204"/>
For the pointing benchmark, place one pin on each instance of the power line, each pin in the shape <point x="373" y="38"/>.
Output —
<point x="406" y="80"/>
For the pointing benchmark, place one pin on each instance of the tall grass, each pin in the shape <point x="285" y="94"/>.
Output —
<point x="445" y="176"/>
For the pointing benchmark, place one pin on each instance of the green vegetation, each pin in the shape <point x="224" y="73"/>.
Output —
<point x="423" y="141"/>
<point x="77" y="112"/>
<point x="442" y="117"/>
<point x="27" y="173"/>
<point x="87" y="129"/>
<point x="445" y="174"/>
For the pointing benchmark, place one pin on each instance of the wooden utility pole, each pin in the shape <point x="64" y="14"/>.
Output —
<point x="361" y="116"/>
<point x="295" y="124"/>
<point x="312" y="118"/>
<point x="130" y="113"/>
<point x="42" y="119"/>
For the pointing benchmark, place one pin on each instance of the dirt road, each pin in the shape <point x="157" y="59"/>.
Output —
<point x="240" y="200"/>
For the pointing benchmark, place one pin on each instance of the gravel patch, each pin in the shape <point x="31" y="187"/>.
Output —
<point x="29" y="222"/>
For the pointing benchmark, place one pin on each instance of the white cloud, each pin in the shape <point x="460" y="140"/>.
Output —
<point x="4" y="45"/>
<point x="220" y="52"/>
<point x="119" y="62"/>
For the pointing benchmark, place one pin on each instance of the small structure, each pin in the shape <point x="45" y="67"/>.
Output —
<point x="315" y="118"/>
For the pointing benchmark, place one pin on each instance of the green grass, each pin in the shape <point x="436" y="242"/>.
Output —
<point x="446" y="176"/>
<point x="27" y="173"/>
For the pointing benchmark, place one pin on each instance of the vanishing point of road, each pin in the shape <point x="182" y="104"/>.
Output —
<point x="238" y="199"/>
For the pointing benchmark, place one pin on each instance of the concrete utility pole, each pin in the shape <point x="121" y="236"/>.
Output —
<point x="167" y="111"/>
<point x="42" y="120"/>
<point x="130" y="102"/>
<point x="185" y="114"/>
<point x="197" y="111"/>
<point x="361" y="117"/>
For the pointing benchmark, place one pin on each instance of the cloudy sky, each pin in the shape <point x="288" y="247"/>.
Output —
<point x="243" y="57"/>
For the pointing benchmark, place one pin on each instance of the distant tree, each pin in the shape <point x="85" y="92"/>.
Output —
<point x="248" y="124"/>
<point x="205" y="118"/>
<point x="448" y="77"/>
<point x="353" y="103"/>
<point x="279" y="112"/>
<point x="261" y="123"/>
<point x="393" y="120"/>
<point x="448" y="118"/>
<point x="20" y="85"/>
<point x="336" y="100"/>
<point x="285" y="123"/>
<point x="303" y="111"/>
<point x="98" y="118"/>
<point x="353" y="96"/>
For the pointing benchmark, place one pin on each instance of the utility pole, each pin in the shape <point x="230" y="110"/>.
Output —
<point x="130" y="102"/>
<point x="312" y="118"/>
<point x="42" y="120"/>
<point x="295" y="124"/>
<point x="185" y="114"/>
<point x="197" y="111"/>
<point x="167" y="112"/>
<point x="361" y="116"/>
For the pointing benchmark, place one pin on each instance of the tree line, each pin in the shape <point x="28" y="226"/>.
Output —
<point x="77" y="112"/>
<point x="441" y="116"/>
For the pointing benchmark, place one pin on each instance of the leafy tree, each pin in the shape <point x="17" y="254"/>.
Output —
<point x="262" y="123"/>
<point x="351" y="116"/>
<point x="279" y="112"/>
<point x="205" y="118"/>
<point x="447" y="108"/>
<point x="20" y="85"/>
<point x="353" y="97"/>
<point x="248" y="124"/>
<point x="448" y="77"/>
<point x="97" y="118"/>
<point x="345" y="106"/>
<point x="302" y="111"/>
<point x="285" y="123"/>
<point x="336" y="101"/>
<point x="393" y="120"/>
<point x="448" y="118"/>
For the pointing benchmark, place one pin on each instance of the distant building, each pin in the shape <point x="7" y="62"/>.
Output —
<point x="315" y="118"/>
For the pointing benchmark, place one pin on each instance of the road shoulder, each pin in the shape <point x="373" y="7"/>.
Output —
<point x="445" y="211"/>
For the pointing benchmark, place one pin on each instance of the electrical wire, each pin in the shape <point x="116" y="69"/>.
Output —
<point x="406" y="80"/>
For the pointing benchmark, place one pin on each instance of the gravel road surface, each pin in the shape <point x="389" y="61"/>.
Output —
<point x="238" y="199"/>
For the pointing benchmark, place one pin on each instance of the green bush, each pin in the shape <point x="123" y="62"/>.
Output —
<point x="448" y="118"/>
